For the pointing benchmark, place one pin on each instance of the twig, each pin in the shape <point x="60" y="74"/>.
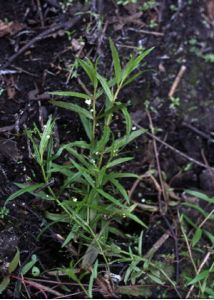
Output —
<point x="163" y="190"/>
<point x="177" y="81"/>
<point x="43" y="35"/>
<point x="40" y="13"/>
<point x="23" y="118"/>
<point x="196" y="162"/>
<point x="156" y="246"/>
<point x="197" y="131"/>
<point x="205" y="220"/>
<point x="155" y="33"/>
<point x="6" y="72"/>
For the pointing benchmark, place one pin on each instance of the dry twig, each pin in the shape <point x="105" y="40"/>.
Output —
<point x="177" y="81"/>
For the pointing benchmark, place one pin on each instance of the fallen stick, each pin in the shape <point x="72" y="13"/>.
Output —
<point x="43" y="35"/>
<point x="177" y="81"/>
<point x="174" y="149"/>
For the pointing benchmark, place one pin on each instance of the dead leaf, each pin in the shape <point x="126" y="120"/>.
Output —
<point x="10" y="28"/>
<point x="133" y="8"/>
<point x="105" y="287"/>
<point x="89" y="257"/>
<point x="135" y="291"/>
<point x="10" y="87"/>
<point x="210" y="10"/>
<point x="120" y="21"/>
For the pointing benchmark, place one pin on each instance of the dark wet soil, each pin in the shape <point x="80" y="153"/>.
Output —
<point x="182" y="35"/>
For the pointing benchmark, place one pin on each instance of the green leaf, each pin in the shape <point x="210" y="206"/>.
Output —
<point x="80" y="157"/>
<point x="156" y="279"/>
<point x="201" y="276"/>
<point x="132" y="78"/>
<point x="197" y="236"/>
<point x="35" y="271"/>
<point x="105" y="87"/>
<point x="87" y="126"/>
<point x="110" y="198"/>
<point x="4" y="283"/>
<point x="119" y="143"/>
<point x="104" y="139"/>
<point x="63" y="217"/>
<point x="28" y="266"/>
<point x="71" y="94"/>
<point x="84" y="173"/>
<point x="38" y="194"/>
<point x="14" y="263"/>
<point x="128" y="120"/>
<point x="92" y="278"/>
<point x="73" y="107"/>
<point x="134" y="217"/>
<point x="48" y="128"/>
<point x="27" y="189"/>
<point x="210" y="292"/>
<point x="118" y="161"/>
<point x="201" y="196"/>
<point x="116" y="61"/>
<point x="90" y="70"/>
<point x="69" y="237"/>
<point x="120" y="189"/>
<point x="210" y="236"/>
<point x="123" y="175"/>
<point x="134" y="63"/>
<point x="111" y="109"/>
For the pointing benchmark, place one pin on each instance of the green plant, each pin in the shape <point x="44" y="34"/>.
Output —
<point x="149" y="4"/>
<point x="174" y="102"/>
<point x="91" y="198"/>
<point x="7" y="270"/>
<point x="200" y="277"/>
<point x="209" y="57"/>
<point x="1" y="91"/>
<point x="153" y="24"/>
<point x="3" y="212"/>
<point x="125" y="2"/>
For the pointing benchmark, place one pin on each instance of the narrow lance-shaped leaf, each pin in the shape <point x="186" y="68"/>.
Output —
<point x="118" y="161"/>
<point x="73" y="107"/>
<point x="201" y="276"/>
<point x="105" y="87"/>
<point x="87" y="126"/>
<point x="134" y="63"/>
<point x="116" y="61"/>
<point x="128" y="120"/>
<point x="48" y="128"/>
<point x="26" y="268"/>
<point x="4" y="283"/>
<point x="201" y="196"/>
<point x="27" y="189"/>
<point x="196" y="237"/>
<point x="110" y="198"/>
<point x="120" y="189"/>
<point x="14" y="263"/>
<point x="90" y="70"/>
<point x="119" y="143"/>
<point x="71" y="94"/>
<point x="104" y="139"/>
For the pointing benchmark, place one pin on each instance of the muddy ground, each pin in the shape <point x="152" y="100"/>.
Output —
<point x="181" y="33"/>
